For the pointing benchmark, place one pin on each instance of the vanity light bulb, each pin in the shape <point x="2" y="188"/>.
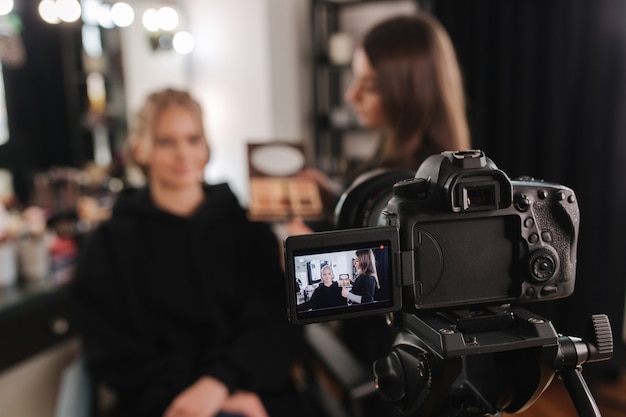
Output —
<point x="48" y="11"/>
<point x="6" y="7"/>
<point x="122" y="14"/>
<point x="104" y="17"/>
<point x="90" y="11"/>
<point x="150" y="20"/>
<point x="68" y="10"/>
<point x="167" y="18"/>
<point x="183" y="42"/>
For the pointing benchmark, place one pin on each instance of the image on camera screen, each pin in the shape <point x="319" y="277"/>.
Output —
<point x="341" y="281"/>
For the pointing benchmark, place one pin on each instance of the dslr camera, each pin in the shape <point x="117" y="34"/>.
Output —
<point x="458" y="235"/>
<point x="454" y="250"/>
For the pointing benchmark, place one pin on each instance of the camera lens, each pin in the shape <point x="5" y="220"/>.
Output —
<point x="362" y="204"/>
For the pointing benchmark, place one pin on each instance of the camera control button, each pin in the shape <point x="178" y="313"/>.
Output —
<point x="543" y="265"/>
<point x="549" y="290"/>
<point x="533" y="238"/>
<point x="546" y="236"/>
<point x="529" y="222"/>
<point x="522" y="202"/>
<point x="411" y="188"/>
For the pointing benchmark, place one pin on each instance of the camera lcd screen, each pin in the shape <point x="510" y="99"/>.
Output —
<point x="467" y="261"/>
<point x="342" y="274"/>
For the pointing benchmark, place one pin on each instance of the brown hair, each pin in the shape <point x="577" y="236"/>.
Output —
<point x="148" y="114"/>
<point x="368" y="263"/>
<point x="421" y="89"/>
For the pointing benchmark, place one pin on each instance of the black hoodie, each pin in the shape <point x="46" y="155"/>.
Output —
<point x="162" y="300"/>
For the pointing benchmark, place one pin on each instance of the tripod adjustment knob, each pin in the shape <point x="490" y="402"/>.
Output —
<point x="599" y="331"/>
<point x="404" y="378"/>
<point x="390" y="378"/>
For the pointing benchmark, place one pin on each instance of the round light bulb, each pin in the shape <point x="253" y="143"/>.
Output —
<point x="104" y="16"/>
<point x="68" y="10"/>
<point x="90" y="11"/>
<point x="122" y="14"/>
<point x="48" y="11"/>
<point x="6" y="7"/>
<point x="150" y="20"/>
<point x="168" y="18"/>
<point x="183" y="42"/>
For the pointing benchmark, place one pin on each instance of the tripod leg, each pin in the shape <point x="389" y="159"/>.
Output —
<point x="580" y="393"/>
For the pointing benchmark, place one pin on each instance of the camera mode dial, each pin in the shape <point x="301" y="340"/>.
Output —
<point x="411" y="188"/>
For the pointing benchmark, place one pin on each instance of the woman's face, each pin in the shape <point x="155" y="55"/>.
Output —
<point x="357" y="264"/>
<point x="363" y="93"/>
<point x="327" y="276"/>
<point x="179" y="151"/>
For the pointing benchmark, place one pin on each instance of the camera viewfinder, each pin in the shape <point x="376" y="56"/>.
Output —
<point x="479" y="197"/>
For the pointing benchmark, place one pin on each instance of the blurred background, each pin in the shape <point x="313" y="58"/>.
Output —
<point x="545" y="81"/>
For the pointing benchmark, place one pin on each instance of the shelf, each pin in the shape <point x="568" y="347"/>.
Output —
<point x="32" y="319"/>
<point x="323" y="63"/>
<point x="330" y="80"/>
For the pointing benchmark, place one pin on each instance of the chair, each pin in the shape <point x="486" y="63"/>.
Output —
<point x="75" y="398"/>
<point x="341" y="383"/>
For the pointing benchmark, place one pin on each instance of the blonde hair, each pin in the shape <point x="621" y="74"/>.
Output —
<point x="421" y="89"/>
<point x="330" y="268"/>
<point x="148" y="114"/>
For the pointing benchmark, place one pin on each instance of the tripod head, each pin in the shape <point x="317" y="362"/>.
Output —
<point x="485" y="361"/>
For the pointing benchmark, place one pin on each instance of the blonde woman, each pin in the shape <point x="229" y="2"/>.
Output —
<point x="171" y="316"/>
<point x="328" y="293"/>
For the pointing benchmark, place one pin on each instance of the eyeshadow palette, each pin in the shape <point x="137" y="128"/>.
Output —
<point x="276" y="191"/>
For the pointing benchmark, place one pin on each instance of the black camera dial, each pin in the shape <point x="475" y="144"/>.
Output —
<point x="542" y="264"/>
<point x="412" y="188"/>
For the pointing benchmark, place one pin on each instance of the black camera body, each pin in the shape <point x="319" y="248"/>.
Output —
<point x="469" y="235"/>
<point x="460" y="234"/>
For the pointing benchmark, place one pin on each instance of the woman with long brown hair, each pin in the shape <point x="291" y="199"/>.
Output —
<point x="407" y="83"/>
<point x="366" y="281"/>
<point x="407" y="86"/>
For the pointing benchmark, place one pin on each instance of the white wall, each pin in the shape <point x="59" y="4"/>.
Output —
<point x="230" y="73"/>
<point x="247" y="70"/>
<point x="146" y="70"/>
<point x="290" y="70"/>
